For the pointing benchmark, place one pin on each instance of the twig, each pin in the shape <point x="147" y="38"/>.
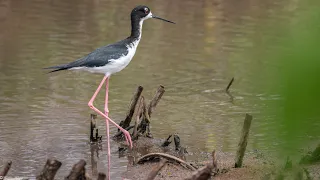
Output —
<point x="167" y="142"/>
<point x="126" y="123"/>
<point x="5" y="170"/>
<point x="155" y="100"/>
<point x="243" y="141"/>
<point x="49" y="170"/>
<point x="229" y="85"/>
<point x="155" y="170"/>
<point x="78" y="171"/>
<point x="147" y="157"/>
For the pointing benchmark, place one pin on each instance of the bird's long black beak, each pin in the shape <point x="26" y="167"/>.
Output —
<point x="156" y="17"/>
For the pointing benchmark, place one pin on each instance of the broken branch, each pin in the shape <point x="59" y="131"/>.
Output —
<point x="139" y="113"/>
<point x="176" y="139"/>
<point x="49" y="170"/>
<point x="167" y="142"/>
<point x="229" y="85"/>
<point x="155" y="100"/>
<point x="126" y="123"/>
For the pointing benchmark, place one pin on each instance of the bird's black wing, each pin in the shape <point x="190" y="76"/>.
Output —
<point x="97" y="58"/>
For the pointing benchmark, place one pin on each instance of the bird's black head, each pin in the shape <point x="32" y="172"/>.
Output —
<point x="142" y="13"/>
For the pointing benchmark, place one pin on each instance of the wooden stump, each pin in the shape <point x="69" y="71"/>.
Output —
<point x="49" y="170"/>
<point x="243" y="141"/>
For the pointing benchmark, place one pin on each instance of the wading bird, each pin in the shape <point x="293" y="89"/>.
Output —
<point x="110" y="59"/>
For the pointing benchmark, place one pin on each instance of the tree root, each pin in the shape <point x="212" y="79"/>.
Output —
<point x="152" y="156"/>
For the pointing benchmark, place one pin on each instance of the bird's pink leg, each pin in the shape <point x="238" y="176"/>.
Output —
<point x="106" y="110"/>
<point x="90" y="104"/>
<point x="125" y="132"/>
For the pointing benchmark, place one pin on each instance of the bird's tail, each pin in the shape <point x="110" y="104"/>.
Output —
<point x="57" y="68"/>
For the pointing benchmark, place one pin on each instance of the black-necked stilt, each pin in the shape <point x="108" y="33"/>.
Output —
<point x="111" y="59"/>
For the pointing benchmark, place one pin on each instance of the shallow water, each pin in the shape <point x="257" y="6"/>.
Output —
<point x="46" y="115"/>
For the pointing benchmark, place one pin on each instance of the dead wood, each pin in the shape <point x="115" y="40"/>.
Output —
<point x="139" y="114"/>
<point x="155" y="170"/>
<point x="170" y="158"/>
<point x="144" y="127"/>
<point x="93" y="126"/>
<point x="243" y="141"/>
<point x="126" y="123"/>
<point x="49" y="170"/>
<point x="78" y="171"/>
<point x="156" y="98"/>
<point x="178" y="146"/>
<point x="167" y="142"/>
<point x="176" y="139"/>
<point x="5" y="170"/>
<point x="204" y="173"/>
<point x="142" y="122"/>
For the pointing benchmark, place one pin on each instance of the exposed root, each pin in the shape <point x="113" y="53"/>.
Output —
<point x="152" y="156"/>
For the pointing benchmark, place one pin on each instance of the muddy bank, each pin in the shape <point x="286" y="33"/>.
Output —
<point x="255" y="165"/>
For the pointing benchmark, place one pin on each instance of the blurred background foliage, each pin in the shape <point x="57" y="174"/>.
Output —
<point x="294" y="75"/>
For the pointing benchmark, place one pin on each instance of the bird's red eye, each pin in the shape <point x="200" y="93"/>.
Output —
<point x="146" y="10"/>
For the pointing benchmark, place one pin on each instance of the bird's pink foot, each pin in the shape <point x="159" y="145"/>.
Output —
<point x="128" y="138"/>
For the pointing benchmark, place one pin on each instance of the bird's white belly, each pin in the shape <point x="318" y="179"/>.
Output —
<point x="114" y="65"/>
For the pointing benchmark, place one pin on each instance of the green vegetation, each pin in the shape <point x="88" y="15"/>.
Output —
<point x="295" y="77"/>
